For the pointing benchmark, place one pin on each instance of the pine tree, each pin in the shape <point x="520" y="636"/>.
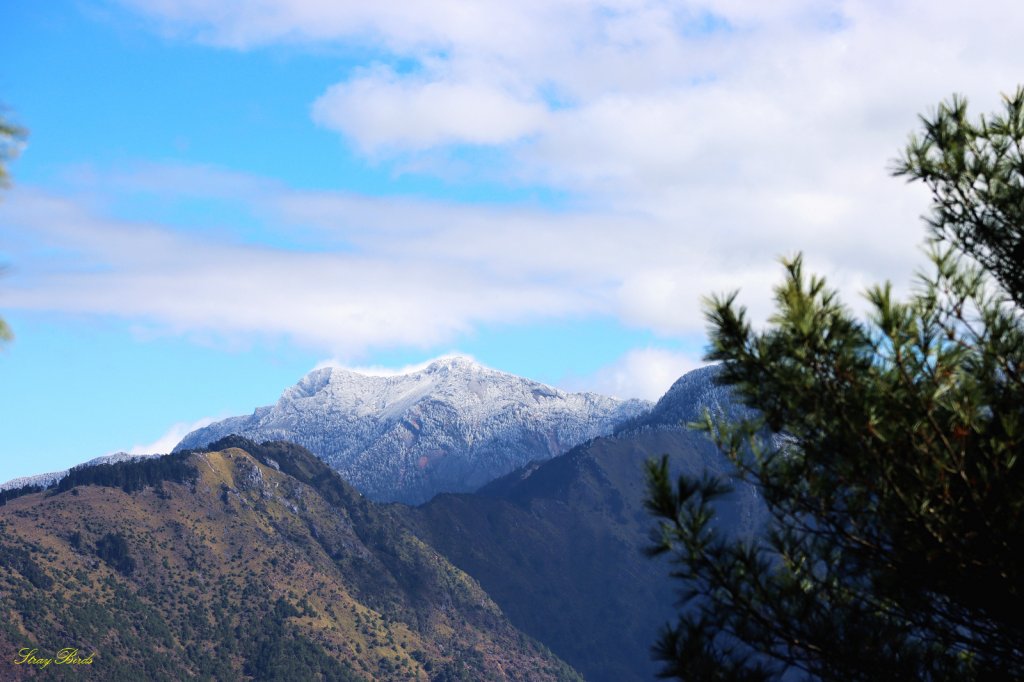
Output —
<point x="976" y="174"/>
<point x="888" y="451"/>
<point x="11" y="138"/>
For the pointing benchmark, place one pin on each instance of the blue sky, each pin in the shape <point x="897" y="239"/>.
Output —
<point x="217" y="197"/>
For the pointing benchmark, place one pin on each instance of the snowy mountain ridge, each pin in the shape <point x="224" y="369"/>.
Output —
<point x="451" y="426"/>
<point x="48" y="479"/>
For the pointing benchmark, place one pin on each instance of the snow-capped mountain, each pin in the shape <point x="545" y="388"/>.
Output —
<point x="686" y="400"/>
<point x="450" y="427"/>
<point x="48" y="479"/>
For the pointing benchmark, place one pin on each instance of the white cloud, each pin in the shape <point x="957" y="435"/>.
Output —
<point x="766" y="120"/>
<point x="374" y="109"/>
<point x="698" y="142"/>
<point x="343" y="301"/>
<point x="386" y="272"/>
<point x="166" y="442"/>
<point x="638" y="91"/>
<point x="641" y="373"/>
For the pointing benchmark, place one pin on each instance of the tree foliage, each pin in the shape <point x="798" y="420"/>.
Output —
<point x="13" y="493"/>
<point x="131" y="476"/>
<point x="113" y="549"/>
<point x="5" y="332"/>
<point x="11" y="138"/>
<point x="888" y="452"/>
<point x="976" y="174"/>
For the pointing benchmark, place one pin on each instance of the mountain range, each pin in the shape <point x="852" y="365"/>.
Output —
<point x="452" y="426"/>
<point x="257" y="549"/>
<point x="559" y="545"/>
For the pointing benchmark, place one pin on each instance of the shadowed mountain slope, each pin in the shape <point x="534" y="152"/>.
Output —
<point x="559" y="544"/>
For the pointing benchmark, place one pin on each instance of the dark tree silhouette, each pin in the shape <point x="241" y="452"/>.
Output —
<point x="888" y="451"/>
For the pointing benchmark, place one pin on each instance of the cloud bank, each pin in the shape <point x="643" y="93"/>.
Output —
<point x="695" y="141"/>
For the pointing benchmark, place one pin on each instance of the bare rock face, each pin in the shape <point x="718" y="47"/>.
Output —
<point x="450" y="427"/>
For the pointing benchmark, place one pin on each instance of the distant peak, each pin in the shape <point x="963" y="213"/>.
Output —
<point x="453" y="362"/>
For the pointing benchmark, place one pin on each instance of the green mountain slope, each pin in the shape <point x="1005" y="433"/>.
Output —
<point x="251" y="562"/>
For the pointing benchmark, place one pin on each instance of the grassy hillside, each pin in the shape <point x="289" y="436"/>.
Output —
<point x="244" y="565"/>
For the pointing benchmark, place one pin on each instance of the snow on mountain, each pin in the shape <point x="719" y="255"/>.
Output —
<point x="449" y="427"/>
<point x="687" y="399"/>
<point x="41" y="480"/>
<point x="48" y="479"/>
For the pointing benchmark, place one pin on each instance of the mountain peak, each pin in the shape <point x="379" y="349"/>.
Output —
<point x="442" y="362"/>
<point x="450" y="425"/>
<point x="453" y="363"/>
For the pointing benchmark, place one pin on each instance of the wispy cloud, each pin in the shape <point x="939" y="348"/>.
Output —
<point x="340" y="301"/>
<point x="166" y="442"/>
<point x="376" y="273"/>
<point x="641" y="373"/>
